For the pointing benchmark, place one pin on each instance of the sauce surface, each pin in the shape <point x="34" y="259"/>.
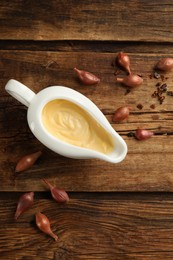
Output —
<point x="72" y="124"/>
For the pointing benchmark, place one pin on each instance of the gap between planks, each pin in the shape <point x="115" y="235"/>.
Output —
<point x="7" y="195"/>
<point x="88" y="46"/>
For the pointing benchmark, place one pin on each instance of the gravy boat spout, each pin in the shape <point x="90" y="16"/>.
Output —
<point x="53" y="109"/>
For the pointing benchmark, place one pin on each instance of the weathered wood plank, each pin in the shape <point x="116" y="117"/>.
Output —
<point x="41" y="69"/>
<point x="148" y="166"/>
<point x="126" y="228"/>
<point x="89" y="20"/>
<point x="93" y="175"/>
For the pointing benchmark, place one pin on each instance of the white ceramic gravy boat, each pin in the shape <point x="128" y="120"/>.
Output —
<point x="35" y="104"/>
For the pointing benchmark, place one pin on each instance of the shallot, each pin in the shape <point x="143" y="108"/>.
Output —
<point x="86" y="77"/>
<point x="165" y="64"/>
<point x="121" y="113"/>
<point x="43" y="224"/>
<point x="143" y="134"/>
<point x="59" y="195"/>
<point x="124" y="61"/>
<point x="24" y="203"/>
<point x="27" y="161"/>
<point x="131" y="80"/>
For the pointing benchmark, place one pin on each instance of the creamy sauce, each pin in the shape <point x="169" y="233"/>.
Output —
<point x="72" y="124"/>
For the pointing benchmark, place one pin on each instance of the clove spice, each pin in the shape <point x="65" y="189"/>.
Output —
<point x="139" y="106"/>
<point x="159" y="92"/>
<point x="170" y="93"/>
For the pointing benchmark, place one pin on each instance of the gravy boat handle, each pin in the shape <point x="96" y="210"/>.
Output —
<point x="19" y="91"/>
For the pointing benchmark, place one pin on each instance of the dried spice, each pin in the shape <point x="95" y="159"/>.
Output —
<point x="158" y="84"/>
<point x="161" y="99"/>
<point x="163" y="87"/>
<point x="169" y="93"/>
<point x="24" y="203"/>
<point x="86" y="77"/>
<point x="27" y="161"/>
<point x="156" y="75"/>
<point x="153" y="106"/>
<point x="43" y="224"/>
<point x="140" y="106"/>
<point x="159" y="92"/>
<point x="154" y="94"/>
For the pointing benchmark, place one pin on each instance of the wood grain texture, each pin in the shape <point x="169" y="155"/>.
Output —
<point x="128" y="228"/>
<point x="40" y="44"/>
<point x="38" y="69"/>
<point x="59" y="20"/>
<point x="148" y="165"/>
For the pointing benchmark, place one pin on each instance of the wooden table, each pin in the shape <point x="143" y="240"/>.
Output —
<point x="116" y="211"/>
